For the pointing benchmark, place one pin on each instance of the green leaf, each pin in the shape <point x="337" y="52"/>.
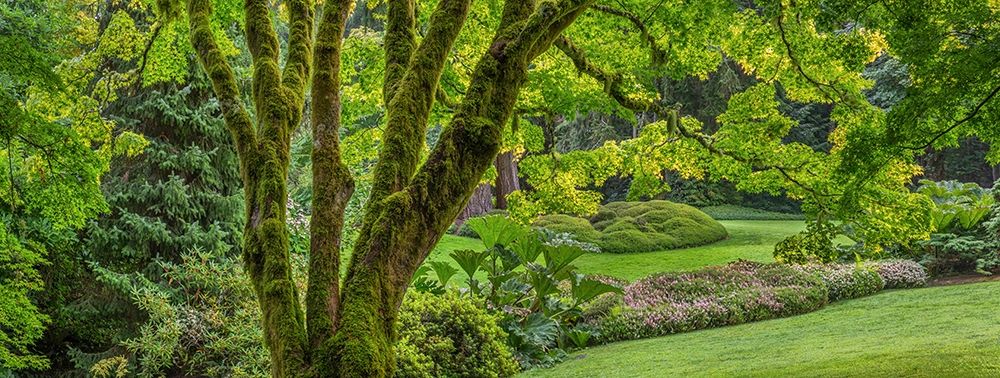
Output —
<point x="528" y="247"/>
<point x="588" y="289"/>
<point x="496" y="230"/>
<point x="469" y="260"/>
<point x="443" y="270"/>
<point x="559" y="258"/>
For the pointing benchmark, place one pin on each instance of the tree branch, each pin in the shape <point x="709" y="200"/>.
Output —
<point x="223" y="80"/>
<point x="400" y="39"/>
<point x="614" y="89"/>
<point x="410" y="106"/>
<point x="263" y="45"/>
<point x="299" y="57"/>
<point x="969" y="116"/>
<point x="332" y="181"/>
<point x="657" y="55"/>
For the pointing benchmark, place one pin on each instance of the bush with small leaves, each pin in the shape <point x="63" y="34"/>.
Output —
<point x="450" y="336"/>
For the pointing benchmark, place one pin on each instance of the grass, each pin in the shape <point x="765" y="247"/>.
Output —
<point x="946" y="331"/>
<point x="733" y="212"/>
<point x="748" y="240"/>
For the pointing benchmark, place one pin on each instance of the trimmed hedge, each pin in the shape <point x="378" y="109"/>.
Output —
<point x="625" y="227"/>
<point x="448" y="336"/>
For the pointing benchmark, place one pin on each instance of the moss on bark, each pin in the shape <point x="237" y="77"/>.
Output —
<point x="348" y="329"/>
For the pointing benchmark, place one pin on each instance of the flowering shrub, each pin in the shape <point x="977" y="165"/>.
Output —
<point x="737" y="293"/>
<point x="740" y="292"/>
<point x="900" y="274"/>
<point x="846" y="281"/>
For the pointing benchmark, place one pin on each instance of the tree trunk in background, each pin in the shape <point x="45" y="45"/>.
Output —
<point x="506" y="182"/>
<point x="480" y="203"/>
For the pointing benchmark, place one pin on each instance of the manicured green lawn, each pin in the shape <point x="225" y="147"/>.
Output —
<point x="948" y="331"/>
<point x="748" y="240"/>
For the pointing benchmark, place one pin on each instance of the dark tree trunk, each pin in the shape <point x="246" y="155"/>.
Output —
<point x="506" y="182"/>
<point x="480" y="203"/>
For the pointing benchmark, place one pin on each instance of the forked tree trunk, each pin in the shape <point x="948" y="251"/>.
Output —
<point x="348" y="329"/>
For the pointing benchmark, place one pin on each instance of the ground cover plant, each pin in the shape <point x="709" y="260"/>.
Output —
<point x="881" y="335"/>
<point x="739" y="292"/>
<point x="736" y="293"/>
<point x="632" y="227"/>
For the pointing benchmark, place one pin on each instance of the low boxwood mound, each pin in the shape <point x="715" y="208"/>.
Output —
<point x="450" y="336"/>
<point x="740" y="292"/>
<point x="624" y="227"/>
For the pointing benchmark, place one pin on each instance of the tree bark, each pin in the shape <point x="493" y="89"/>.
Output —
<point x="480" y="203"/>
<point x="333" y="186"/>
<point x="506" y="182"/>
<point x="348" y="329"/>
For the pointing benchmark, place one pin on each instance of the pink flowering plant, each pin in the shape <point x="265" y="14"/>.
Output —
<point x="901" y="274"/>
<point x="739" y="292"/>
<point x="846" y="281"/>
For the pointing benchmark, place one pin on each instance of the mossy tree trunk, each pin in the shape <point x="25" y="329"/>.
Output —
<point x="347" y="328"/>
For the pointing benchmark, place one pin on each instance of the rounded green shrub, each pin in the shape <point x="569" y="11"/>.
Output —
<point x="560" y="223"/>
<point x="450" y="336"/>
<point x="625" y="227"/>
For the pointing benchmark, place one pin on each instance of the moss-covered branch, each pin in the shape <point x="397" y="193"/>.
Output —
<point x="410" y="107"/>
<point x="613" y="81"/>
<point x="223" y="80"/>
<point x="262" y="42"/>
<point x="299" y="56"/>
<point x="332" y="185"/>
<point x="400" y="39"/>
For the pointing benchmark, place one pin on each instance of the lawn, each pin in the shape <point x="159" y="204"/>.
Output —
<point x="946" y="331"/>
<point x="748" y="240"/>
